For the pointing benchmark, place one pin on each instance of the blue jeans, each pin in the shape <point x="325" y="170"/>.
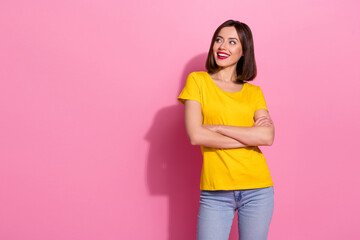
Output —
<point x="217" y="210"/>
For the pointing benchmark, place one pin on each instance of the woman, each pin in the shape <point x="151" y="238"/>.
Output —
<point x="228" y="118"/>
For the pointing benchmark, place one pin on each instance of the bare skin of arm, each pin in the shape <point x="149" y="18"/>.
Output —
<point x="262" y="133"/>
<point x="204" y="135"/>
<point x="200" y="135"/>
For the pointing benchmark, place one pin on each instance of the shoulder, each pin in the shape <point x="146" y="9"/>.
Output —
<point x="254" y="90"/>
<point x="197" y="76"/>
<point x="252" y="87"/>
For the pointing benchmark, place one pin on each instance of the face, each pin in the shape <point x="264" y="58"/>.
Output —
<point x="228" y="45"/>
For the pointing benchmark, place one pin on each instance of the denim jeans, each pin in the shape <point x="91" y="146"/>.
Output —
<point x="217" y="210"/>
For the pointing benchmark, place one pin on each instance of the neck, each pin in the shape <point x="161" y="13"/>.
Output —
<point x="227" y="74"/>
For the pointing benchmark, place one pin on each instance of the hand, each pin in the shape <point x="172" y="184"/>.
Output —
<point x="263" y="121"/>
<point x="211" y="127"/>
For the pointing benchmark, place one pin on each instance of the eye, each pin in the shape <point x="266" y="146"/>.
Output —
<point x="217" y="40"/>
<point x="233" y="42"/>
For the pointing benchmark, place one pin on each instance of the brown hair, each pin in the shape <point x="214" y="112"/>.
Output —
<point x="246" y="66"/>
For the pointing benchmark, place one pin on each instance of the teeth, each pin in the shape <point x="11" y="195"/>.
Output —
<point x="222" y="55"/>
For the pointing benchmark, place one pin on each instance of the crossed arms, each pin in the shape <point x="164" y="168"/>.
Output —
<point x="225" y="136"/>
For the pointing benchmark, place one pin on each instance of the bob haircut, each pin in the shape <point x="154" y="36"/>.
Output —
<point x="246" y="66"/>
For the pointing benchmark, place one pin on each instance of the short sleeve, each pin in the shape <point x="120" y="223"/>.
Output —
<point x="260" y="100"/>
<point x="191" y="91"/>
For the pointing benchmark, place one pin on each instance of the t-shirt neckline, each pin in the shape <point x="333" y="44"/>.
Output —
<point x="217" y="87"/>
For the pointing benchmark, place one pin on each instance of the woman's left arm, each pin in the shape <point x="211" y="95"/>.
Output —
<point x="262" y="133"/>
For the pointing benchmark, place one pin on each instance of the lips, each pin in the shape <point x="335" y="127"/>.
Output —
<point x="222" y="55"/>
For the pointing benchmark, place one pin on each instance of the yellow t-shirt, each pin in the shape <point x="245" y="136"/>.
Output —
<point x="228" y="169"/>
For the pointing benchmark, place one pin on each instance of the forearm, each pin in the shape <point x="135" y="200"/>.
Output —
<point x="208" y="138"/>
<point x="253" y="136"/>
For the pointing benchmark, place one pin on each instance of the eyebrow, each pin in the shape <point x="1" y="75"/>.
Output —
<point x="229" y="38"/>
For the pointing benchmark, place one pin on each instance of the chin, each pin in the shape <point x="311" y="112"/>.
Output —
<point x="225" y="65"/>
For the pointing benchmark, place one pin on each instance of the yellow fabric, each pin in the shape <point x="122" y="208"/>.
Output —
<point x="228" y="169"/>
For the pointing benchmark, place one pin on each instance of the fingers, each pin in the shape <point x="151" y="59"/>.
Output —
<point x="263" y="121"/>
<point x="262" y="124"/>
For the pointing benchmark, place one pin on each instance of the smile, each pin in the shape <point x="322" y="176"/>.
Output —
<point x="222" y="55"/>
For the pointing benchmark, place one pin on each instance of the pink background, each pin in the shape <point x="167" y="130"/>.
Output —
<point x="92" y="138"/>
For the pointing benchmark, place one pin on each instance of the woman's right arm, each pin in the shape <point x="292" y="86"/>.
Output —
<point x="202" y="136"/>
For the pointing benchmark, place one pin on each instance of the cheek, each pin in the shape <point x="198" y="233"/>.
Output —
<point x="238" y="51"/>
<point x="215" y="50"/>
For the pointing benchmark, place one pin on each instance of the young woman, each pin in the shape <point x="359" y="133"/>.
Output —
<point x="228" y="117"/>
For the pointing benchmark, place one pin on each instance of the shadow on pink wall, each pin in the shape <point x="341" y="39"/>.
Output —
<point x="174" y="165"/>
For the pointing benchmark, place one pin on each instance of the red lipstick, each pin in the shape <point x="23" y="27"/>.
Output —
<point x="222" y="57"/>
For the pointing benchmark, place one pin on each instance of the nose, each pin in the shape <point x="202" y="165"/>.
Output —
<point x="223" y="45"/>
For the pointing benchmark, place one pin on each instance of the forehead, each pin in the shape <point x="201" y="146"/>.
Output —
<point x="228" y="32"/>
